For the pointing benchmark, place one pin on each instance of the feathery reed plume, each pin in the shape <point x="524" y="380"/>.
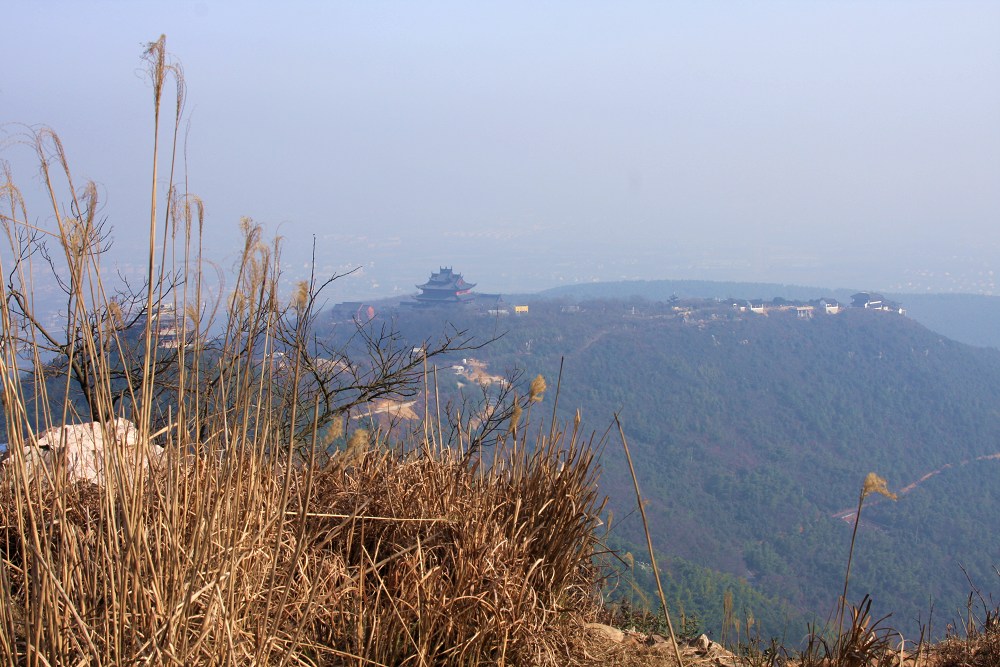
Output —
<point x="115" y="318"/>
<point x="875" y="484"/>
<point x="515" y="417"/>
<point x="357" y="444"/>
<point x="301" y="298"/>
<point x="872" y="484"/>
<point x="325" y="440"/>
<point x="536" y="389"/>
<point x="336" y="427"/>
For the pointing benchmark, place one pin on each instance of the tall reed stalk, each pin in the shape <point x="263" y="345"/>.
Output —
<point x="872" y="484"/>
<point x="649" y="543"/>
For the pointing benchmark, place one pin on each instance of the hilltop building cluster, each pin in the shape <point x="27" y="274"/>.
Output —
<point x="800" y="308"/>
<point x="444" y="289"/>
<point x="826" y="306"/>
<point x="873" y="301"/>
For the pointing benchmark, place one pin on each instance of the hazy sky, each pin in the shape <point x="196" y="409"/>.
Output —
<point x="841" y="143"/>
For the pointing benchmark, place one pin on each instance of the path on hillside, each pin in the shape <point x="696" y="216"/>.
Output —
<point x="848" y="514"/>
<point x="590" y="342"/>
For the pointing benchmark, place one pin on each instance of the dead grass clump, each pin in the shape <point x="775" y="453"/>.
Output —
<point x="397" y="559"/>
<point x="980" y="647"/>
<point x="455" y="564"/>
<point x="865" y="642"/>
<point x="982" y="650"/>
<point x="181" y="571"/>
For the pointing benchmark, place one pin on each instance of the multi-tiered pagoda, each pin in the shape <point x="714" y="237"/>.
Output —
<point x="445" y="288"/>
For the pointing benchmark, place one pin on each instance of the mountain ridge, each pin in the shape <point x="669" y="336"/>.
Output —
<point x="969" y="318"/>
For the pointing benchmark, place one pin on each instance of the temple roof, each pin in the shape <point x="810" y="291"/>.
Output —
<point x="447" y="280"/>
<point x="441" y="296"/>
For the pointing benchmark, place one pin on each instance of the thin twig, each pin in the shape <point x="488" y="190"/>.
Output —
<point x="649" y="543"/>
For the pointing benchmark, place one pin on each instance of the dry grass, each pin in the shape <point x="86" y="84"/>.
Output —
<point x="242" y="543"/>
<point x="980" y="645"/>
<point x="461" y="565"/>
<point x="396" y="559"/>
<point x="981" y="650"/>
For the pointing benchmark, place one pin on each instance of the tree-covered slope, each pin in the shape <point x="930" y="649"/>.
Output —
<point x="752" y="435"/>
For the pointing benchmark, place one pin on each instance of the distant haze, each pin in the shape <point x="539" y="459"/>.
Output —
<point x="844" y="144"/>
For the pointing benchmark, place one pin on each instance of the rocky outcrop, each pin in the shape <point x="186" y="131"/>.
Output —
<point x="628" y="648"/>
<point x="82" y="451"/>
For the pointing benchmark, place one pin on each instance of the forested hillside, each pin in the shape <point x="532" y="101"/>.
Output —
<point x="968" y="318"/>
<point x="752" y="435"/>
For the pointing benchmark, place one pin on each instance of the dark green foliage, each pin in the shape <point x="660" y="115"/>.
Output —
<point x="695" y="595"/>
<point x="750" y="433"/>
